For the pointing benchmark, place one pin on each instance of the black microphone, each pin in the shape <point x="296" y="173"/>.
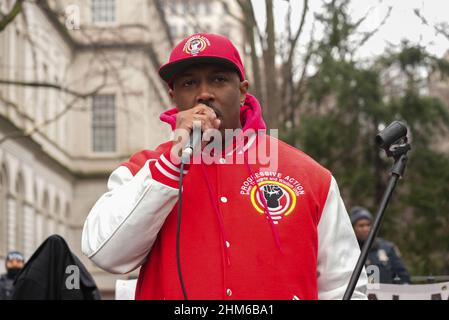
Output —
<point x="394" y="132"/>
<point x="195" y="139"/>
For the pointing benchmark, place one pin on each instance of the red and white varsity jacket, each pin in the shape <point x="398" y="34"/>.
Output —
<point x="247" y="232"/>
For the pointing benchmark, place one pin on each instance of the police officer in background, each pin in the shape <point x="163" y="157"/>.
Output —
<point x="383" y="254"/>
<point x="14" y="263"/>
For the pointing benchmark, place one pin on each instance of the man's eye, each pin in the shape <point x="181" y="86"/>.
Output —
<point x="219" y="79"/>
<point x="187" y="83"/>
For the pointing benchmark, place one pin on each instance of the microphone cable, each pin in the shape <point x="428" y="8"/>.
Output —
<point x="178" y="232"/>
<point x="195" y="139"/>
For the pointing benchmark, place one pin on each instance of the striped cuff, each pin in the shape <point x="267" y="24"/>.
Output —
<point x="166" y="172"/>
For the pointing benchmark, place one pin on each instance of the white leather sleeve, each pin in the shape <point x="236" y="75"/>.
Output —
<point x="338" y="250"/>
<point x="122" y="226"/>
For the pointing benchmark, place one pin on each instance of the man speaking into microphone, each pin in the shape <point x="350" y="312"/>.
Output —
<point x="246" y="232"/>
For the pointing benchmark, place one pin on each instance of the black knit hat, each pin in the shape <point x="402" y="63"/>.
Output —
<point x="358" y="213"/>
<point x="15" y="255"/>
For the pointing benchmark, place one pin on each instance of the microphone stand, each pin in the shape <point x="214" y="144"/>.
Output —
<point x="399" y="153"/>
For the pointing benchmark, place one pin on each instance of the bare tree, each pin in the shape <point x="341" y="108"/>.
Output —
<point x="275" y="84"/>
<point x="279" y="65"/>
<point x="102" y="65"/>
<point x="39" y="126"/>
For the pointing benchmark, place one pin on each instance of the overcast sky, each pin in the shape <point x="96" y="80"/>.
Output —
<point x="402" y="23"/>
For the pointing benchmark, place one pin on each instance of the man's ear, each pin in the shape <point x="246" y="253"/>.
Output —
<point x="172" y="96"/>
<point x="244" y="86"/>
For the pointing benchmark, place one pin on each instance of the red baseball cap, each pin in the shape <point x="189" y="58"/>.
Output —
<point x="202" y="48"/>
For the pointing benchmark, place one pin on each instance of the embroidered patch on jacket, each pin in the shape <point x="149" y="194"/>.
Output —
<point x="195" y="45"/>
<point x="278" y="192"/>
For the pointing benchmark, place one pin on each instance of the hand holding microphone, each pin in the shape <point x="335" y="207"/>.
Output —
<point x="189" y="127"/>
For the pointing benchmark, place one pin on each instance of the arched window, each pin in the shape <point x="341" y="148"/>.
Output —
<point x="19" y="195"/>
<point x="11" y="222"/>
<point x="66" y="221"/>
<point x="3" y="212"/>
<point x="39" y="224"/>
<point x="58" y="216"/>
<point x="4" y="57"/>
<point x="46" y="228"/>
<point x="29" y="223"/>
<point x="19" y="68"/>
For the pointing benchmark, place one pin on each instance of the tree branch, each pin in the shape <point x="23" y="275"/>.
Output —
<point x="287" y="83"/>
<point x="9" y="17"/>
<point x="233" y="16"/>
<point x="299" y="31"/>
<point x="36" y="84"/>
<point x="368" y="35"/>
<point x="441" y="28"/>
<point x="248" y="10"/>
<point x="40" y="126"/>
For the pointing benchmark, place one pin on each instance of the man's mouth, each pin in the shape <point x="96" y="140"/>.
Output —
<point x="216" y="110"/>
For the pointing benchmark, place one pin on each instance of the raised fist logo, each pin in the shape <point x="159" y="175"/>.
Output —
<point x="273" y="194"/>
<point x="278" y="197"/>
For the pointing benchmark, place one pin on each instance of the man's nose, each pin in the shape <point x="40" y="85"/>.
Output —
<point x="204" y="95"/>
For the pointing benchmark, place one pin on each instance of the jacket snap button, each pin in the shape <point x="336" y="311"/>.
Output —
<point x="224" y="199"/>
<point x="222" y="160"/>
<point x="229" y="292"/>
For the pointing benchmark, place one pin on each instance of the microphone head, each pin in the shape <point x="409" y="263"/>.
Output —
<point x="394" y="132"/>
<point x="186" y="154"/>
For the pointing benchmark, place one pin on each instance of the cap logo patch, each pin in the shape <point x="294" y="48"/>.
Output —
<point x="196" y="44"/>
